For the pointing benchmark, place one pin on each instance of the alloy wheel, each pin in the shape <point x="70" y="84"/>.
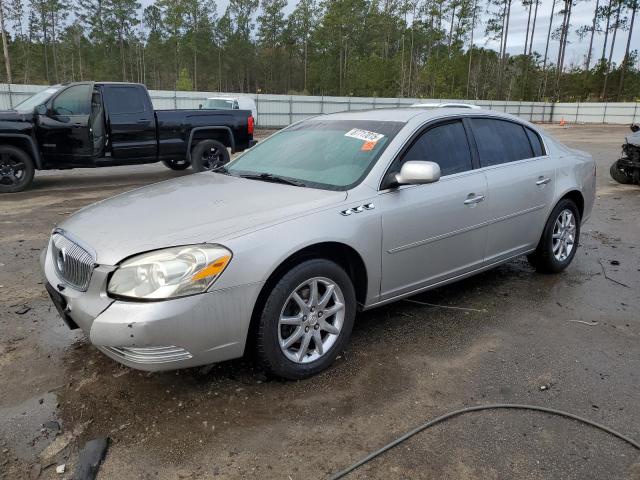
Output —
<point x="12" y="170"/>
<point x="564" y="234"/>
<point x="311" y="320"/>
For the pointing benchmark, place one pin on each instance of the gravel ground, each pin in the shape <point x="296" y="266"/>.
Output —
<point x="406" y="363"/>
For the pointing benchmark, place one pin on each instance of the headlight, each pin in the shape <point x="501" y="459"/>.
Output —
<point x="169" y="273"/>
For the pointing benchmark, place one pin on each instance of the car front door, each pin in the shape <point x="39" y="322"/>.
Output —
<point x="63" y="132"/>
<point x="436" y="231"/>
<point x="130" y="122"/>
<point x="521" y="182"/>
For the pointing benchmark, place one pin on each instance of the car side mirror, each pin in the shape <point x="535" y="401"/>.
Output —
<point x="417" y="172"/>
<point x="41" y="109"/>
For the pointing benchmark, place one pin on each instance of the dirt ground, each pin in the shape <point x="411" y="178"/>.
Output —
<point x="522" y="343"/>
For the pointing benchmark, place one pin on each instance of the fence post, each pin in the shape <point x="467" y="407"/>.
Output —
<point x="322" y="104"/>
<point x="349" y="104"/>
<point x="290" y="110"/>
<point x="577" y="111"/>
<point x="635" y="111"/>
<point x="175" y="99"/>
<point x="519" y="106"/>
<point x="604" y="113"/>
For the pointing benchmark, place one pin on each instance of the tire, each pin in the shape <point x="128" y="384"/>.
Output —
<point x="551" y="255"/>
<point x="619" y="174"/>
<point x="176" y="164"/>
<point x="284" y="319"/>
<point x="16" y="169"/>
<point x="209" y="155"/>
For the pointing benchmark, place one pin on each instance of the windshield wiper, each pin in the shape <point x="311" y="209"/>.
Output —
<point x="270" y="177"/>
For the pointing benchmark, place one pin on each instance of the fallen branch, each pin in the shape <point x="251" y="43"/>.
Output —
<point x="446" y="306"/>
<point x="604" y="272"/>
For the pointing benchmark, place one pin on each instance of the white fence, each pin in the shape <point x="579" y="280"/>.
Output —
<point x="282" y="110"/>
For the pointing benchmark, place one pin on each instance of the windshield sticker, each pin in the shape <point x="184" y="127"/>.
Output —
<point x="368" y="146"/>
<point x="364" y="135"/>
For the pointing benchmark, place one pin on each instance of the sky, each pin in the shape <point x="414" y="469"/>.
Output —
<point x="582" y="14"/>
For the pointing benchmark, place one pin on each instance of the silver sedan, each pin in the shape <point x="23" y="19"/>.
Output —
<point x="277" y="251"/>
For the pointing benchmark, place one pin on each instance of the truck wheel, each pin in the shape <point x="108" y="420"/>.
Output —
<point x="176" y="164"/>
<point x="16" y="169"/>
<point x="619" y="174"/>
<point x="209" y="155"/>
<point x="306" y="320"/>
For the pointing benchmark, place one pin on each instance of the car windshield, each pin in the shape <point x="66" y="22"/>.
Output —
<point x="39" y="98"/>
<point x="219" y="103"/>
<point x="329" y="154"/>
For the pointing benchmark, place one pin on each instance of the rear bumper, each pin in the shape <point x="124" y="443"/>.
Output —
<point x="164" y="335"/>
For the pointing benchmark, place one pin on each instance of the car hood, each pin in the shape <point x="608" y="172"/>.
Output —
<point x="196" y="208"/>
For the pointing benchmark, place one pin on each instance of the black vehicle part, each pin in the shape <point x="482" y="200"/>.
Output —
<point x="478" y="408"/>
<point x="176" y="164"/>
<point x="26" y="143"/>
<point x="16" y="169"/>
<point x="622" y="171"/>
<point x="226" y="134"/>
<point x="209" y="155"/>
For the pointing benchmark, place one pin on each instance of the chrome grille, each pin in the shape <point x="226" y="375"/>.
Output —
<point x="72" y="262"/>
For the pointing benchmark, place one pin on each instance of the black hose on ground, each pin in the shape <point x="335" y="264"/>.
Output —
<point x="462" y="411"/>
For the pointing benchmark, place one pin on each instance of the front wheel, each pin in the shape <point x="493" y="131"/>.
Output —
<point x="16" y="169"/>
<point x="620" y="174"/>
<point x="209" y="155"/>
<point x="559" y="240"/>
<point x="306" y="320"/>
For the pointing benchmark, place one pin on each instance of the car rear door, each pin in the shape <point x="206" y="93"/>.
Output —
<point x="521" y="182"/>
<point x="437" y="231"/>
<point x="131" y="123"/>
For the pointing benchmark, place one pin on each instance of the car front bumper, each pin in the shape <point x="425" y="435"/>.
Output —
<point x="160" y="335"/>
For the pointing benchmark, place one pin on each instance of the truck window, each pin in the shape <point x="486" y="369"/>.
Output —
<point x="74" y="100"/>
<point x="125" y="99"/>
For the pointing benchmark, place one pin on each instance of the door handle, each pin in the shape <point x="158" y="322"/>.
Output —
<point x="543" y="181"/>
<point x="144" y="120"/>
<point x="473" y="199"/>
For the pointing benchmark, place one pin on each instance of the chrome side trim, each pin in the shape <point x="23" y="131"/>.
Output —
<point x="464" y="230"/>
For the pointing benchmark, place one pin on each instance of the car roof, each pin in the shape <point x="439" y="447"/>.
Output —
<point x="407" y="114"/>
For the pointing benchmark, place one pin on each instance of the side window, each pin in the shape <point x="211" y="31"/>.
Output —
<point x="500" y="141"/>
<point x="124" y="100"/>
<point x="536" y="143"/>
<point x="446" y="145"/>
<point x="74" y="100"/>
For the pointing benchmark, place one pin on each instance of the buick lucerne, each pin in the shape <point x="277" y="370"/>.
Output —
<point x="276" y="251"/>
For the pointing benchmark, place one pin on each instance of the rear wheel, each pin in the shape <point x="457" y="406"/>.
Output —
<point x="209" y="155"/>
<point x="176" y="164"/>
<point x="306" y="320"/>
<point x="559" y="240"/>
<point x="16" y="169"/>
<point x="620" y="174"/>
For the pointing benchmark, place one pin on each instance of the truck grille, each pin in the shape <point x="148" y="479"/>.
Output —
<point x="73" y="263"/>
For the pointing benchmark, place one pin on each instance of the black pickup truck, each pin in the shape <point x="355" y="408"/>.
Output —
<point x="100" y="124"/>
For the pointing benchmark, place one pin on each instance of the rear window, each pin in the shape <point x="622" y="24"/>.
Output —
<point x="124" y="100"/>
<point x="500" y="141"/>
